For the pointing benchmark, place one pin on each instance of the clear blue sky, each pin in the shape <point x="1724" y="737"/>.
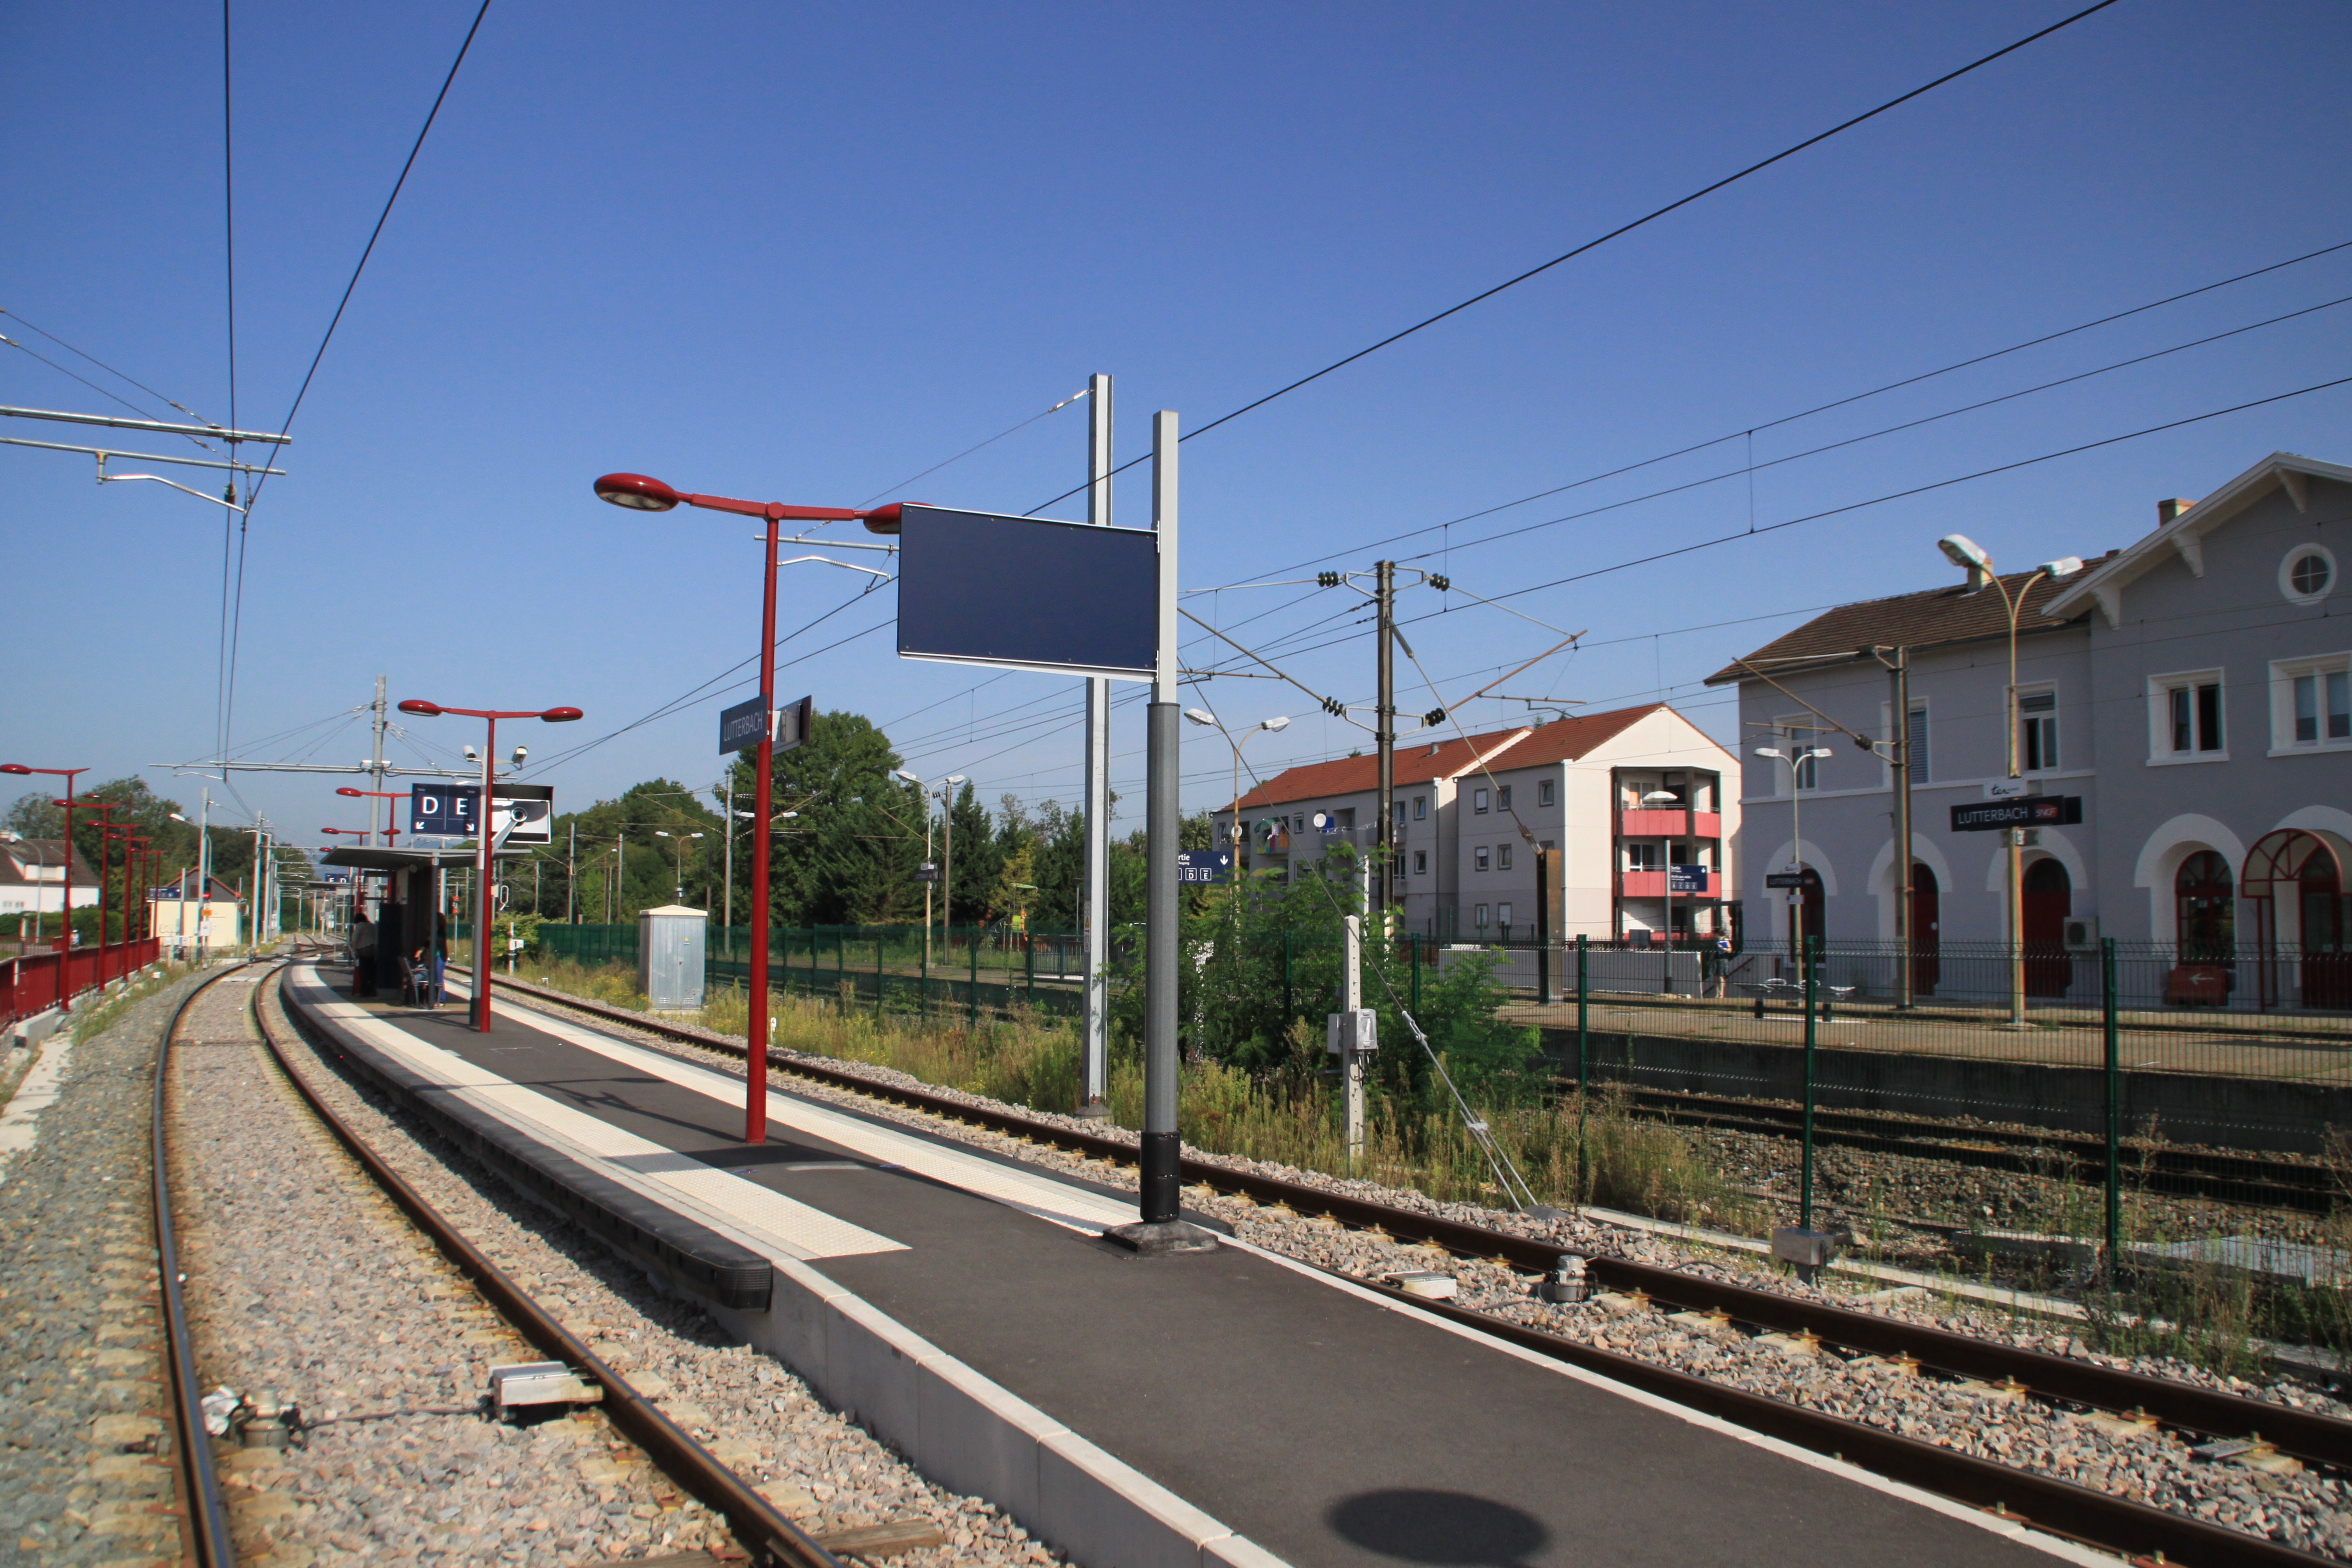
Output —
<point x="804" y="252"/>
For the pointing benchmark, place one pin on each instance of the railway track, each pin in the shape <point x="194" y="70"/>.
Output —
<point x="756" y="1524"/>
<point x="2255" y="1179"/>
<point x="2139" y="1532"/>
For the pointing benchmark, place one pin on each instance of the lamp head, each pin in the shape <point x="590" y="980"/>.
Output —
<point x="1201" y="716"/>
<point x="14" y="767"/>
<point x="348" y="790"/>
<point x="421" y="708"/>
<point x="1278" y="722"/>
<point x="561" y="715"/>
<point x="637" y="492"/>
<point x="901" y="773"/>
<point x="1963" y="551"/>
<point x="176" y="817"/>
<point x="1770" y="751"/>
<point x="953" y="778"/>
<point x="2064" y="566"/>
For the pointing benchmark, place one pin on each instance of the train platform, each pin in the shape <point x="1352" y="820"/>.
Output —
<point x="1231" y="1407"/>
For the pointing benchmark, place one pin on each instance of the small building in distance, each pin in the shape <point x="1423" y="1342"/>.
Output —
<point x="186" y="920"/>
<point x="36" y="879"/>
<point x="1612" y="799"/>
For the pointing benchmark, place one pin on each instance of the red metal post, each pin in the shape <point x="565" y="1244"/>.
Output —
<point x="755" y="1078"/>
<point x="481" y="881"/>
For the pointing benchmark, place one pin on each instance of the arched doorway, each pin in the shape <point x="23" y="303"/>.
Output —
<point x="2049" y="899"/>
<point x="1927" y="965"/>
<point x="2205" y="919"/>
<point x="2307" y="869"/>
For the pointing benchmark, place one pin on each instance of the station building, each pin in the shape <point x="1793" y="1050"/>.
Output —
<point x="2192" y="692"/>
<point x="1615" y="798"/>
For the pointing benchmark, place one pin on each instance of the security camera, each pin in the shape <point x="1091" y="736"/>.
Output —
<point x="520" y="752"/>
<point x="472" y="755"/>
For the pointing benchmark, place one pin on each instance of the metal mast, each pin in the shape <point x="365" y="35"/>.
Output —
<point x="1095" y="916"/>
<point x="1384" y="730"/>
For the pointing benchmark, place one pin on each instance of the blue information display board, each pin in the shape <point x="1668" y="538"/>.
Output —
<point x="1027" y="593"/>
<point x="1686" y="879"/>
<point x="1204" y="865"/>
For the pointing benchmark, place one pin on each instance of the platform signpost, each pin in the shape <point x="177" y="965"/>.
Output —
<point x="994" y="590"/>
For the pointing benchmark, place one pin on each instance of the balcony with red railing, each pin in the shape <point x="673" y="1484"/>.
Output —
<point x="1652" y="884"/>
<point x="1669" y="822"/>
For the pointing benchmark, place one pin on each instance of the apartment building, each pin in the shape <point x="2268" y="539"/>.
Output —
<point x="35" y="876"/>
<point x="1632" y="810"/>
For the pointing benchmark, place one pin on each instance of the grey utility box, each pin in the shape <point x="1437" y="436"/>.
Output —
<point x="669" y="957"/>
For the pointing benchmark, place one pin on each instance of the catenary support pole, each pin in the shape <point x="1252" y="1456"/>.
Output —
<point x="763" y="832"/>
<point x="1094" y="912"/>
<point x="1160" y="1230"/>
<point x="1386" y="863"/>
<point x="1351" y="1060"/>
<point x="1543" y="928"/>
<point x="2112" y="1019"/>
<point x="1583" y="1059"/>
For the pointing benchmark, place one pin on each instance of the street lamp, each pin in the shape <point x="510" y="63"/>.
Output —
<point x="640" y="493"/>
<point x="1796" y="761"/>
<point x="1273" y="726"/>
<point x="946" y="882"/>
<point x="679" y="839"/>
<point x="65" y="895"/>
<point x="490" y="716"/>
<point x="1965" y="552"/>
<point x="377" y="794"/>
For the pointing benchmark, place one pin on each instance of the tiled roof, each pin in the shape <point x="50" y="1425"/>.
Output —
<point x="1911" y="620"/>
<point x="32" y="853"/>
<point x="1518" y="747"/>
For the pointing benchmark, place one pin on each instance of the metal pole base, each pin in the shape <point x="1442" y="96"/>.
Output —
<point x="1159" y="1238"/>
<point x="1093" y="1111"/>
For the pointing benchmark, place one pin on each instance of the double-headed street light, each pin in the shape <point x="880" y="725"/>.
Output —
<point x="1796" y="761"/>
<point x="1204" y="717"/>
<point x="643" y="494"/>
<point x="678" y="841"/>
<point x="1965" y="552"/>
<point x="947" y="788"/>
<point x="491" y="716"/>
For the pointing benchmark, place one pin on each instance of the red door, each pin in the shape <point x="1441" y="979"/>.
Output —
<point x="2327" y="946"/>
<point x="2049" y="899"/>
<point x="1927" y="967"/>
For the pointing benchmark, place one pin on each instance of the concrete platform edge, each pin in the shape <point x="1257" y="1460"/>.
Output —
<point x="973" y="1435"/>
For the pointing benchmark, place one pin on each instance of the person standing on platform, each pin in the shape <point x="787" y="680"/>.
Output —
<point x="363" y="953"/>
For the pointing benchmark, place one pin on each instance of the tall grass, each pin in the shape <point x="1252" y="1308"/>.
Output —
<point x="1569" y="1152"/>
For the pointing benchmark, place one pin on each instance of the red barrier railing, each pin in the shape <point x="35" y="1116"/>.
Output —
<point x="38" y="981"/>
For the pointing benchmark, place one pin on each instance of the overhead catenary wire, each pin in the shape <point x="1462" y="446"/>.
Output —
<point x="1621" y="230"/>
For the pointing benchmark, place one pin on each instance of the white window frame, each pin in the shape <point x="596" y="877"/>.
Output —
<point x="1478" y="805"/>
<point x="1420" y="862"/>
<point x="1543" y="791"/>
<point x="2049" y="690"/>
<point x="1420" y="807"/>
<point x="1502" y="857"/>
<point x="1479" y="922"/>
<point x="2283" y="675"/>
<point x="1478" y="858"/>
<point x="2286" y="574"/>
<point x="1503" y="916"/>
<point x="1502" y="797"/>
<point x="2160" y="690"/>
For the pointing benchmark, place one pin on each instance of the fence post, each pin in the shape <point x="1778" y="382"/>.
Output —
<point x="1028" y="970"/>
<point x="877" y="975"/>
<point x="972" y="999"/>
<point x="1583" y="1059"/>
<point x="2113" y="1020"/>
<point x="1289" y="1000"/>
<point x="1413" y="951"/>
<point x="923" y="976"/>
<point x="1812" y="961"/>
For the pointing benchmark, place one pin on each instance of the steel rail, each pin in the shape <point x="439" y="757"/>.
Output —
<point x="755" y="1521"/>
<point x="207" y="1512"/>
<point x="2305" y="1434"/>
<point x="2257" y="1182"/>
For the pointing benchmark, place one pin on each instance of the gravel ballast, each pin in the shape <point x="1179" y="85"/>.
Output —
<point x="2263" y="1494"/>
<point x="749" y="1411"/>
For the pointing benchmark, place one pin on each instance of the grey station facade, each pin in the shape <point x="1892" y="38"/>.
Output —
<point x="2187" y="700"/>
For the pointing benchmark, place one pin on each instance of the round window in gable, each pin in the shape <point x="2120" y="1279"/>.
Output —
<point x="2308" y="574"/>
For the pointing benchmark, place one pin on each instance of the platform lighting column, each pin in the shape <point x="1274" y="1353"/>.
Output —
<point x="1963" y="551"/>
<point x="640" y="493"/>
<point x="482" y="814"/>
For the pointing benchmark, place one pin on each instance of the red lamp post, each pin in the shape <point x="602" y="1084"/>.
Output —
<point x="491" y="716"/>
<point x="639" y="493"/>
<point x="375" y="794"/>
<point x="65" y="903"/>
<point x="105" y="830"/>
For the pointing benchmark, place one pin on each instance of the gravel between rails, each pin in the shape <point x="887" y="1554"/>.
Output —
<point x="752" y="1413"/>
<point x="86" y="1468"/>
<point x="2273" y="1497"/>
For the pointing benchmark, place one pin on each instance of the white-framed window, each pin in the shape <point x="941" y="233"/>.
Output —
<point x="1503" y="915"/>
<point x="2308" y="574"/>
<point x="1799" y="735"/>
<point x="1400" y="812"/>
<point x="1479" y="856"/>
<point x="2037" y="730"/>
<point x="1543" y="791"/>
<point x="1420" y="807"/>
<point x="1502" y="797"/>
<point x="1503" y="857"/>
<point x="1420" y="862"/>
<point x="2311" y="704"/>
<point x="1915" y="742"/>
<point x="1478" y="801"/>
<point x="1479" y="917"/>
<point x="1642" y="854"/>
<point x="2187" y="718"/>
